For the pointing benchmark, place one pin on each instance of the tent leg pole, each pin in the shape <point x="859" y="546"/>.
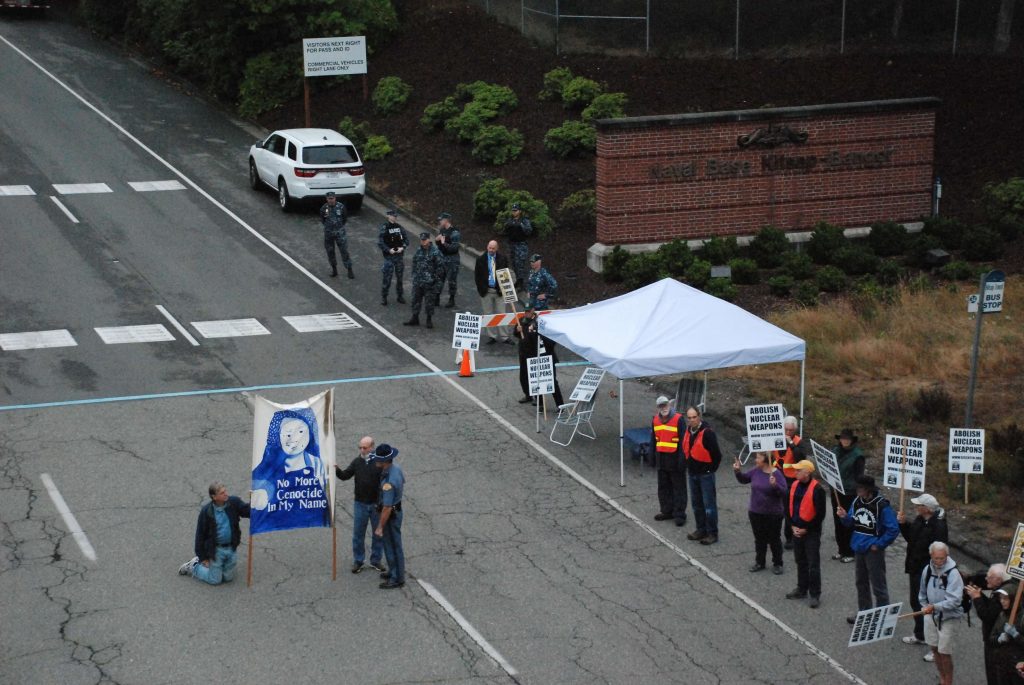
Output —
<point x="803" y="369"/>
<point x="622" y="444"/>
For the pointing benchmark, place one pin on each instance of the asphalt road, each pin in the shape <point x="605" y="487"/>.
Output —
<point x="530" y="547"/>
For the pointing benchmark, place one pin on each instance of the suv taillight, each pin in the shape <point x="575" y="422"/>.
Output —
<point x="356" y="171"/>
<point x="305" y="173"/>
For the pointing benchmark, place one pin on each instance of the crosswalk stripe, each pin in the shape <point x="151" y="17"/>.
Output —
<point x="148" y="186"/>
<point x="115" y="335"/>
<point x="229" y="328"/>
<point x="81" y="188"/>
<point x="312" y="323"/>
<point x="32" y="340"/>
<point x="16" y="190"/>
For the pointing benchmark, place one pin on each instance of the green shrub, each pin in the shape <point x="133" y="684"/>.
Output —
<point x="641" y="270"/>
<point x="536" y="210"/>
<point x="744" y="271"/>
<point x="981" y="243"/>
<point x="605" y="106"/>
<point x="958" y="270"/>
<point x="719" y="250"/>
<point x="856" y="260"/>
<point x="269" y="80"/>
<point x="676" y="257"/>
<point x="578" y="209"/>
<point x="768" y="246"/>
<point x="571" y="138"/>
<point x="798" y="265"/>
<point x="357" y="132"/>
<point x="918" y="247"/>
<point x="554" y="82"/>
<point x="722" y="288"/>
<point x="826" y="240"/>
<point x="830" y="279"/>
<point x="780" y="285"/>
<point x="376" y="147"/>
<point x="947" y="230"/>
<point x="890" y="272"/>
<point x="501" y="99"/>
<point x="580" y="92"/>
<point x="806" y="293"/>
<point x="614" y="263"/>
<point x="437" y="114"/>
<point x="868" y="291"/>
<point x="698" y="273"/>
<point x="888" y="238"/>
<point x="490" y="198"/>
<point x="933" y="405"/>
<point x="1004" y="207"/>
<point x="467" y="124"/>
<point x="497" y="145"/>
<point x="390" y="95"/>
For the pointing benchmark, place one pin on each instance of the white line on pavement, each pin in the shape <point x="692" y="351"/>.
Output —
<point x="16" y="190"/>
<point x="176" y="324"/>
<point x="64" y="209"/>
<point x="34" y="340"/>
<point x="473" y="398"/>
<point x="81" y="188"/>
<point x="69" y="519"/>
<point x="150" y="186"/>
<point x="468" y="627"/>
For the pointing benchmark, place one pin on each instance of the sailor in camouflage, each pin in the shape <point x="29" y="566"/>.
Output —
<point x="426" y="266"/>
<point x="392" y="241"/>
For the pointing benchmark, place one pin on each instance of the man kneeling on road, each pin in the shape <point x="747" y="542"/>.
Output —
<point x="217" y="538"/>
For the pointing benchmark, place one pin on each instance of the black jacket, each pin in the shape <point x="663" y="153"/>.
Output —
<point x="819" y="505"/>
<point x="206" y="527"/>
<point x="367" y="479"/>
<point x="920" y="533"/>
<point x="480" y="271"/>
<point x="710" y="444"/>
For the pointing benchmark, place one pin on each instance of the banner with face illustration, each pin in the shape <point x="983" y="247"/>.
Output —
<point x="292" y="464"/>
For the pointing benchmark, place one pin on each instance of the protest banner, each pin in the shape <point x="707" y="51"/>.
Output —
<point x="506" y="285"/>
<point x="904" y="463"/>
<point x="540" y="372"/>
<point x="765" y="431"/>
<point x="874" y="625"/>
<point x="967" y="451"/>
<point x="1015" y="562"/>
<point x="466" y="335"/>
<point x="828" y="466"/>
<point x="587" y="385"/>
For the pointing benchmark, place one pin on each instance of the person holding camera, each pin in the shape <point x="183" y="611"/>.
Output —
<point x="526" y="331"/>
<point x="988" y="608"/>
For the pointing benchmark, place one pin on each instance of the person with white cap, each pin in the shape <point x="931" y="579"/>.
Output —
<point x="928" y="527"/>
<point x="806" y="511"/>
<point x="671" y="464"/>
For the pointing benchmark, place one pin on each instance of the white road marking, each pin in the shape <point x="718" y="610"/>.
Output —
<point x="149" y="186"/>
<point x="116" y="335"/>
<point x="313" y="323"/>
<point x="69" y="519"/>
<point x="67" y="212"/>
<point x="16" y="190"/>
<point x="176" y="324"/>
<point x="468" y="627"/>
<point x="473" y="398"/>
<point x="34" y="340"/>
<point x="229" y="328"/>
<point x="81" y="188"/>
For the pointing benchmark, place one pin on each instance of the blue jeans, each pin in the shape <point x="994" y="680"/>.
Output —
<point x="393" y="548"/>
<point x="704" y="503"/>
<point x="221" y="568"/>
<point x="363" y="514"/>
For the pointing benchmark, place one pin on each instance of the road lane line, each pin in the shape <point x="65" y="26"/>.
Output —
<point x="468" y="627"/>
<point x="34" y="340"/>
<point x="150" y="186"/>
<point x="81" y="188"/>
<point x="145" y="333"/>
<point x="64" y="209"/>
<point x="176" y="324"/>
<point x="10" y="191"/>
<point x="69" y="519"/>
<point x="502" y="421"/>
<point x="230" y="328"/>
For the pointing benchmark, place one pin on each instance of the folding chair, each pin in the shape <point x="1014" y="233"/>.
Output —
<point x="577" y="416"/>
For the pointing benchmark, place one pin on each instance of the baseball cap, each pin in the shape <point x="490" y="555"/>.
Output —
<point x="534" y="257"/>
<point x="444" y="215"/>
<point x="391" y="212"/>
<point x="926" y="500"/>
<point x="662" y="400"/>
<point x="424" y="235"/>
<point x="331" y="194"/>
<point x="804" y="465"/>
<point x="515" y="205"/>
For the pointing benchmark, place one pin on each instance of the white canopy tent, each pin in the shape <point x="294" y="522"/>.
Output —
<point x="668" y="327"/>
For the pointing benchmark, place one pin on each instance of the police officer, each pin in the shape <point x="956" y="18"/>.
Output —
<point x="334" y="218"/>
<point x="392" y="485"/>
<point x="392" y="241"/>
<point x="541" y="286"/>
<point x="517" y="228"/>
<point x="448" y="240"/>
<point x="426" y="267"/>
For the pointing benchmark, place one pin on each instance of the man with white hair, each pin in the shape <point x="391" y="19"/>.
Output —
<point x="988" y="609"/>
<point x="941" y="598"/>
<point x="928" y="527"/>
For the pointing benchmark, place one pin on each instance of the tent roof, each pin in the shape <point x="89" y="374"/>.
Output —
<point x="668" y="327"/>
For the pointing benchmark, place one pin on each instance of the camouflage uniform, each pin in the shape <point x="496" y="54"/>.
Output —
<point x="391" y="236"/>
<point x="334" y="220"/>
<point x="427" y="267"/>
<point x="517" y="230"/>
<point x="450" y="263"/>
<point x="541" y="281"/>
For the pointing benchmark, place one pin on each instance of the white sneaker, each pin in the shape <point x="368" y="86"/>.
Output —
<point x="186" y="568"/>
<point x="929" y="657"/>
<point x="911" y="640"/>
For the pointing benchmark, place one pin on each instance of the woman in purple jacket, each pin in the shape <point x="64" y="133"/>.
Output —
<point x="767" y="509"/>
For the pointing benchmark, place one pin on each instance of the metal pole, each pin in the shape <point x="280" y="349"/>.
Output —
<point x="736" y="50"/>
<point x="622" y="444"/>
<point x="974" y="352"/>
<point x="956" y="25"/>
<point x="558" y="23"/>
<point x="842" y="31"/>
<point x="647" y="37"/>
<point x="522" y="17"/>
<point x="803" y="368"/>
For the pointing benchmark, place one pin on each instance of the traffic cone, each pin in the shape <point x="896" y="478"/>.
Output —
<point x="466" y="367"/>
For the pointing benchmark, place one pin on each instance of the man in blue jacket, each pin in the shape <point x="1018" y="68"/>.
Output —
<point x="874" y="528"/>
<point x="217" y="538"/>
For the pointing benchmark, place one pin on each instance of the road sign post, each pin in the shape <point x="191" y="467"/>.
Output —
<point x="990" y="290"/>
<point x="332" y="56"/>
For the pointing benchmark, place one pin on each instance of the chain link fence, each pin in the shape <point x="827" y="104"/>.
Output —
<point x="765" y="28"/>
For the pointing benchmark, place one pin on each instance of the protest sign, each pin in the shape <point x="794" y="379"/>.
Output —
<point x="967" y="451"/>
<point x="874" y="625"/>
<point x="904" y="462"/>
<point x="587" y="385"/>
<point x="828" y="466"/>
<point x="506" y="285"/>
<point x="1015" y="564"/>
<point x="765" y="431"/>
<point x="292" y="463"/>
<point x="466" y="335"/>
<point x="541" y="375"/>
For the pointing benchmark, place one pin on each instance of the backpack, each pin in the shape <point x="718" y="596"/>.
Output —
<point x="965" y="599"/>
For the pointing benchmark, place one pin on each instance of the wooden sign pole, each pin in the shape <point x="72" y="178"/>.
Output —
<point x="248" y="573"/>
<point x="1016" y="603"/>
<point x="305" y="101"/>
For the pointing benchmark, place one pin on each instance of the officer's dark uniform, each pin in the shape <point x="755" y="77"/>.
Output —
<point x="392" y="487"/>
<point x="334" y="220"/>
<point x="517" y="230"/>
<point x="392" y="241"/>
<point x="426" y="266"/>
<point x="450" y="260"/>
<point x="540" y="282"/>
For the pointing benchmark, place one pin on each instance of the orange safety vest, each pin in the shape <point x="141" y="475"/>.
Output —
<point x="785" y="460"/>
<point x="807" y="510"/>
<point x="666" y="434"/>
<point x="696" y="451"/>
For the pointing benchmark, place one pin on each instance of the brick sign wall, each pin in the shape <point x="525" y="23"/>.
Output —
<point x="730" y="173"/>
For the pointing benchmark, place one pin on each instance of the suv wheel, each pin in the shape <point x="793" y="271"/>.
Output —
<point x="283" y="198"/>
<point x="254" y="176"/>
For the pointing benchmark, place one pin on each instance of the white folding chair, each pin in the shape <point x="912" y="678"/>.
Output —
<point x="574" y="415"/>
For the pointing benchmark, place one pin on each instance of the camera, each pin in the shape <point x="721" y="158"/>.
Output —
<point x="977" y="579"/>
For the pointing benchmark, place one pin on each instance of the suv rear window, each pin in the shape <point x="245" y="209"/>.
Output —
<point x="329" y="154"/>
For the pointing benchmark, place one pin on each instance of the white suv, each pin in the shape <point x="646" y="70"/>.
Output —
<point x="308" y="163"/>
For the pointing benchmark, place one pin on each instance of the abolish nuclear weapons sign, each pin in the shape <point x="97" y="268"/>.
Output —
<point x="764" y="427"/>
<point x="904" y="462"/>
